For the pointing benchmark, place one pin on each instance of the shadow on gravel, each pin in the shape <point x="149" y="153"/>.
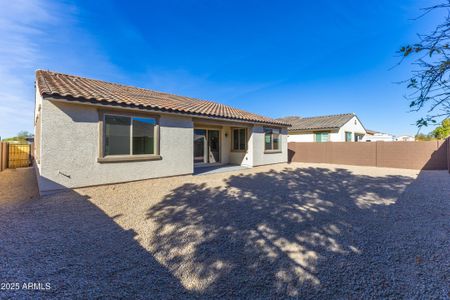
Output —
<point x="308" y="232"/>
<point x="298" y="232"/>
<point x="65" y="240"/>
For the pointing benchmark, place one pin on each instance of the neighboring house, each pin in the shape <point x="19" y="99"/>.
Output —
<point x="90" y="132"/>
<point x="404" y="138"/>
<point x="30" y="140"/>
<point x="375" y="136"/>
<point x="332" y="128"/>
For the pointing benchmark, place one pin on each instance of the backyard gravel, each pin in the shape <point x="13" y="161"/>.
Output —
<point x="17" y="185"/>
<point x="287" y="230"/>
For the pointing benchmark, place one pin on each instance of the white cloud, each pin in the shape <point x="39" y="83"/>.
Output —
<point x="39" y="34"/>
<point x="20" y="29"/>
<point x="51" y="35"/>
<point x="182" y="82"/>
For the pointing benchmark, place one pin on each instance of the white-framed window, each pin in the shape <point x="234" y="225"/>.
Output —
<point x="271" y="139"/>
<point x="348" y="136"/>
<point x="129" y="135"/>
<point x="239" y="139"/>
<point x="321" y="136"/>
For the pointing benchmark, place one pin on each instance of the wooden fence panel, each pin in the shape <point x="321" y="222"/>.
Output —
<point x="1" y="151"/>
<point x="430" y="155"/>
<point x="4" y="156"/>
<point x="19" y="156"/>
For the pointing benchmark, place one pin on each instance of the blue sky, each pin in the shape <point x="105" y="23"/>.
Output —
<point x="274" y="58"/>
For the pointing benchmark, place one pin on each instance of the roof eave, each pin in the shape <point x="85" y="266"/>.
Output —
<point x="306" y="130"/>
<point x="100" y="103"/>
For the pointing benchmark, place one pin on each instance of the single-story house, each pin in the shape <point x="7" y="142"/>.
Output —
<point x="376" y="136"/>
<point x="91" y="132"/>
<point x="331" y="128"/>
<point x="404" y="138"/>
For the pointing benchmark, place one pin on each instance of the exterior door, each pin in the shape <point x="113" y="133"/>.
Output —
<point x="206" y="146"/>
<point x="200" y="146"/>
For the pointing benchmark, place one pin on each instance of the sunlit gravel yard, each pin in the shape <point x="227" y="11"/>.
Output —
<point x="298" y="230"/>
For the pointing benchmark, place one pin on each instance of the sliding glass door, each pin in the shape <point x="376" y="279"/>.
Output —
<point x="206" y="146"/>
<point x="213" y="146"/>
<point x="200" y="146"/>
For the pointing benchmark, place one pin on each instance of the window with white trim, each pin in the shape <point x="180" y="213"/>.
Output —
<point x="348" y="136"/>
<point x="321" y="136"/>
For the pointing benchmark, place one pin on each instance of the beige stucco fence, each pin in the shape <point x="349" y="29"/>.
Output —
<point x="429" y="155"/>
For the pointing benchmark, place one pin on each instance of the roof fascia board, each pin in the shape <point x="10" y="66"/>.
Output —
<point x="207" y="121"/>
<point x="305" y="131"/>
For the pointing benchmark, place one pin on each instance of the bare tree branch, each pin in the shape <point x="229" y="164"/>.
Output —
<point x="430" y="82"/>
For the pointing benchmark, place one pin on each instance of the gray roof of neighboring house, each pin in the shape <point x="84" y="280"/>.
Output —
<point x="369" y="131"/>
<point x="319" y="122"/>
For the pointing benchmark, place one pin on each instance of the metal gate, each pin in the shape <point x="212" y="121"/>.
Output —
<point x="19" y="155"/>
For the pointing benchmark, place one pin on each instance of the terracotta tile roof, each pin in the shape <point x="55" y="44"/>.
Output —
<point x="83" y="89"/>
<point x="320" y="122"/>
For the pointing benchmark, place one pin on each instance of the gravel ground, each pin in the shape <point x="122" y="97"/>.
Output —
<point x="297" y="230"/>
<point x="17" y="185"/>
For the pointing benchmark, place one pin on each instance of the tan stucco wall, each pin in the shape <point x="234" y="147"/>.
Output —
<point x="428" y="155"/>
<point x="37" y="129"/>
<point x="70" y="148"/>
<point x="238" y="158"/>
<point x="256" y="149"/>
<point x="70" y="141"/>
<point x="225" y="140"/>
